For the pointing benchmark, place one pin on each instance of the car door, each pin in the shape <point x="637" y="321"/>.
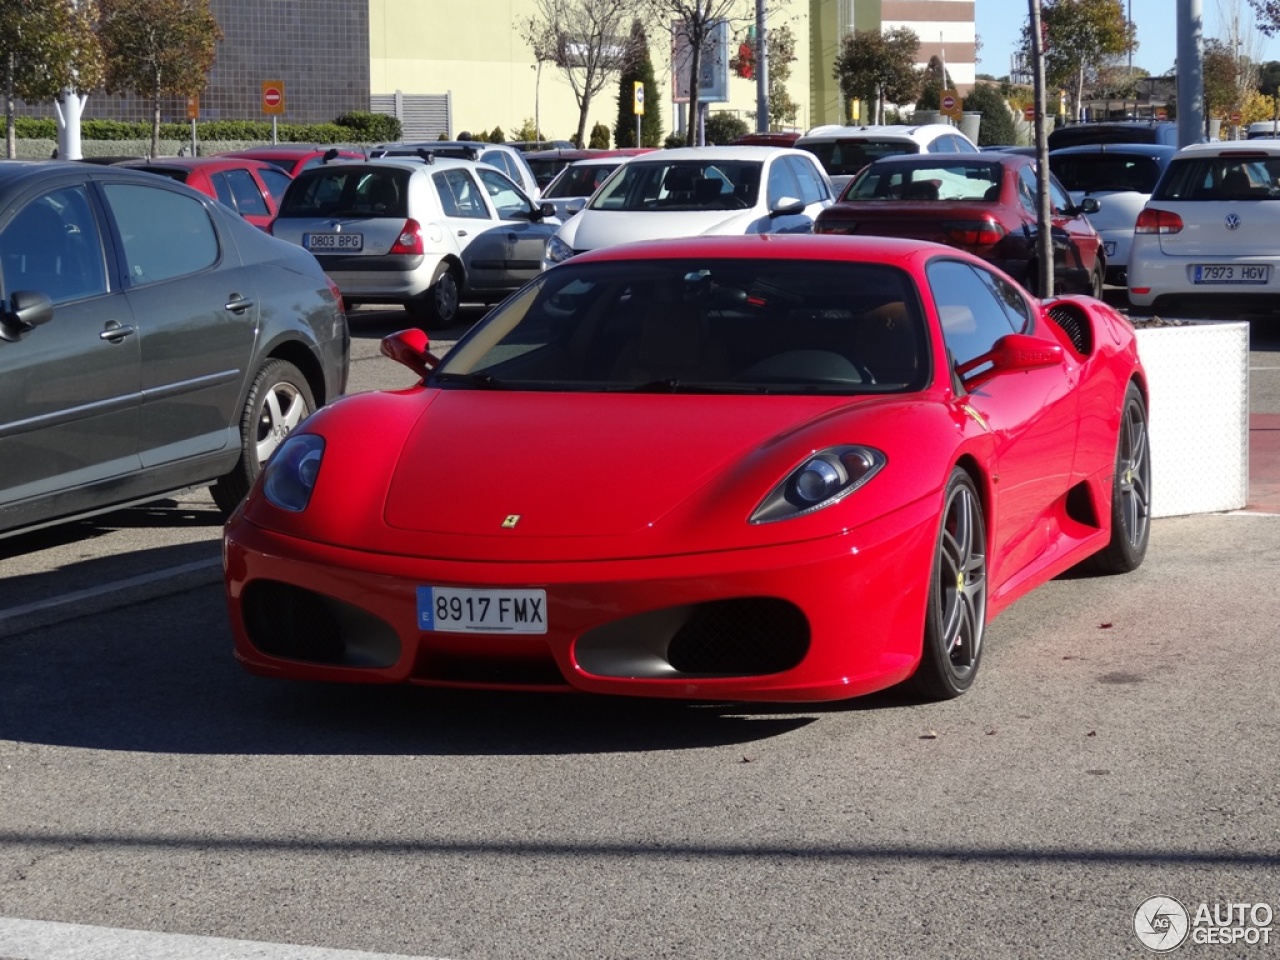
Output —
<point x="69" y="389"/>
<point x="509" y="254"/>
<point x="196" y="309"/>
<point x="1031" y="414"/>
<point x="250" y="196"/>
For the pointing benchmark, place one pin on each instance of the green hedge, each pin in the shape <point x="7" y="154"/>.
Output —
<point x="349" y="128"/>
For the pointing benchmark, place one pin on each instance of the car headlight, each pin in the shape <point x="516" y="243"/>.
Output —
<point x="824" y="478"/>
<point x="290" y="475"/>
<point x="558" y="251"/>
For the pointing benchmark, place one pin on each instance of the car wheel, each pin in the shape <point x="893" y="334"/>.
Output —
<point x="1130" y="491"/>
<point x="279" y="399"/>
<point x="440" y="305"/>
<point x="956" y="618"/>
<point x="1095" y="282"/>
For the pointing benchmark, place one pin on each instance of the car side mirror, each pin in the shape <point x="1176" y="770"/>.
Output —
<point x="576" y="205"/>
<point x="27" y="310"/>
<point x="786" y="206"/>
<point x="1011" y="353"/>
<point x="546" y="211"/>
<point x="410" y="348"/>
<point x="1090" y="205"/>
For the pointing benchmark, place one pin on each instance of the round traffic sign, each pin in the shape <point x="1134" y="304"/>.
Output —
<point x="1029" y="112"/>
<point x="948" y="102"/>
<point x="271" y="96"/>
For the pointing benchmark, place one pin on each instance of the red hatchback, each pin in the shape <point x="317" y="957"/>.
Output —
<point x="984" y="203"/>
<point x="252" y="188"/>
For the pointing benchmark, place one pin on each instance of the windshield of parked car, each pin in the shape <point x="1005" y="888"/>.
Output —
<point x="339" y="190"/>
<point x="1228" y="176"/>
<point x="1102" y="172"/>
<point x="842" y="158"/>
<point x="682" y="185"/>
<point x="929" y="179"/>
<point x="719" y="326"/>
<point x="579" y="180"/>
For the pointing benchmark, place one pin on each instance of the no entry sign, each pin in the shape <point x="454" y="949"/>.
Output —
<point x="273" y="96"/>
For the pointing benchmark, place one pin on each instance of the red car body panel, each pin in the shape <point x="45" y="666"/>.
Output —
<point x="294" y="158"/>
<point x="200" y="173"/>
<point x="632" y="507"/>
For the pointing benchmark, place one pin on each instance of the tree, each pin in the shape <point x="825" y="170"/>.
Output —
<point x="877" y="67"/>
<point x="588" y="42"/>
<point x="996" y="126"/>
<point x="696" y="21"/>
<point x="724" y="127"/>
<point x="1268" y="14"/>
<point x="639" y="71"/>
<point x="1081" y="38"/>
<point x="157" y="48"/>
<point x="1220" y="71"/>
<point x="46" y="46"/>
<point x="783" y="109"/>
<point x="932" y="82"/>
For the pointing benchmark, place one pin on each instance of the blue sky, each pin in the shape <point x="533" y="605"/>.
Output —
<point x="1000" y="32"/>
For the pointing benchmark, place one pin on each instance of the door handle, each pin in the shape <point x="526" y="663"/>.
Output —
<point x="114" y="332"/>
<point x="237" y="304"/>
<point x="462" y="233"/>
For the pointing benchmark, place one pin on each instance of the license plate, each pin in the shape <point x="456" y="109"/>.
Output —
<point x="462" y="610"/>
<point x="1232" y="273"/>
<point x="333" y="241"/>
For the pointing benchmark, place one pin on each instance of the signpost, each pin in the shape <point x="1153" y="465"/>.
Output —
<point x="193" y="114"/>
<point x="273" y="102"/>
<point x="951" y="105"/>
<point x="637" y="107"/>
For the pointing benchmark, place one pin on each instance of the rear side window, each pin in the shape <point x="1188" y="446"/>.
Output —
<point x="1224" y="177"/>
<point x="247" y="195"/>
<point x="348" y="191"/>
<point x="165" y="234"/>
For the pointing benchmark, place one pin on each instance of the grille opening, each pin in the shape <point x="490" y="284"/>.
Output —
<point x="286" y="621"/>
<point x="747" y="636"/>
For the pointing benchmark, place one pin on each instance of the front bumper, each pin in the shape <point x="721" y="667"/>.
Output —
<point x="819" y="620"/>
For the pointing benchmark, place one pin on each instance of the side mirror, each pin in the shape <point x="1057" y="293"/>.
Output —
<point x="1089" y="205"/>
<point x="786" y="206"/>
<point x="27" y="310"/>
<point x="576" y="205"/>
<point x="1011" y="353"/>
<point x="410" y="348"/>
<point x="546" y="211"/>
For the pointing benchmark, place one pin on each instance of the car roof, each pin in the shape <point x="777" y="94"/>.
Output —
<point x="1155" y="150"/>
<point x="413" y="164"/>
<point x="1232" y="148"/>
<point x="752" y="153"/>
<point x="915" y="132"/>
<point x="768" y="246"/>
<point x="201" y="163"/>
<point x="291" y="150"/>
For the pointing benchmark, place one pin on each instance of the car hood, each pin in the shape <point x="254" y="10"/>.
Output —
<point x="592" y="229"/>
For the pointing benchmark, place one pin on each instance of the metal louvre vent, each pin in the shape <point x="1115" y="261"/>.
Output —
<point x="422" y="116"/>
<point x="1075" y="324"/>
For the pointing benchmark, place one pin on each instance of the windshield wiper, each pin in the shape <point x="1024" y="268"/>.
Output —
<point x="676" y="385"/>
<point x="486" y="381"/>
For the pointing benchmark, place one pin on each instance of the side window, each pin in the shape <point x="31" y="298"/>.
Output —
<point x="497" y="158"/>
<point x="1057" y="196"/>
<point x="971" y="316"/>
<point x="222" y="189"/>
<point x="248" y="197"/>
<point x="812" y="187"/>
<point x="1027" y="190"/>
<point x="277" y="183"/>
<point x="1011" y="298"/>
<point x="460" y="195"/>
<point x="506" y="199"/>
<point x="781" y="183"/>
<point x="54" y="246"/>
<point x="165" y="234"/>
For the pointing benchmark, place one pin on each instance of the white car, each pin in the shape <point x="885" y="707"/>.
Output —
<point x="1207" y="237"/>
<point x="698" y="190"/>
<point x="503" y="156"/>
<point x="1120" y="177"/>
<point x="573" y="186"/>
<point x="844" y="150"/>
<point x="424" y="233"/>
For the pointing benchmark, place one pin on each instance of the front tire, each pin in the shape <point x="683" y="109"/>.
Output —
<point x="1130" y="490"/>
<point x="956" y="618"/>
<point x="279" y="399"/>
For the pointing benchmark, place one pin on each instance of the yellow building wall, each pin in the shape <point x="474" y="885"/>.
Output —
<point x="473" y="50"/>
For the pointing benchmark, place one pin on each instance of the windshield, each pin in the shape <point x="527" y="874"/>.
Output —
<point x="1224" y="177"/>
<point x="682" y="185"/>
<point x="748" y="326"/>
<point x="842" y="158"/>
<point x="933" y="180"/>
<point x="579" y="180"/>
<point x="1099" y="172"/>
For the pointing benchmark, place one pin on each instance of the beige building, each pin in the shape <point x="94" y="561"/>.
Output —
<point x="473" y="51"/>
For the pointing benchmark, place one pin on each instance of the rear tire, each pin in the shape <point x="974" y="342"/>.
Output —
<point x="1130" y="491"/>
<point x="439" y="308"/>
<point x="279" y="399"/>
<point x="1096" y="282"/>
<point x="956" y="618"/>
